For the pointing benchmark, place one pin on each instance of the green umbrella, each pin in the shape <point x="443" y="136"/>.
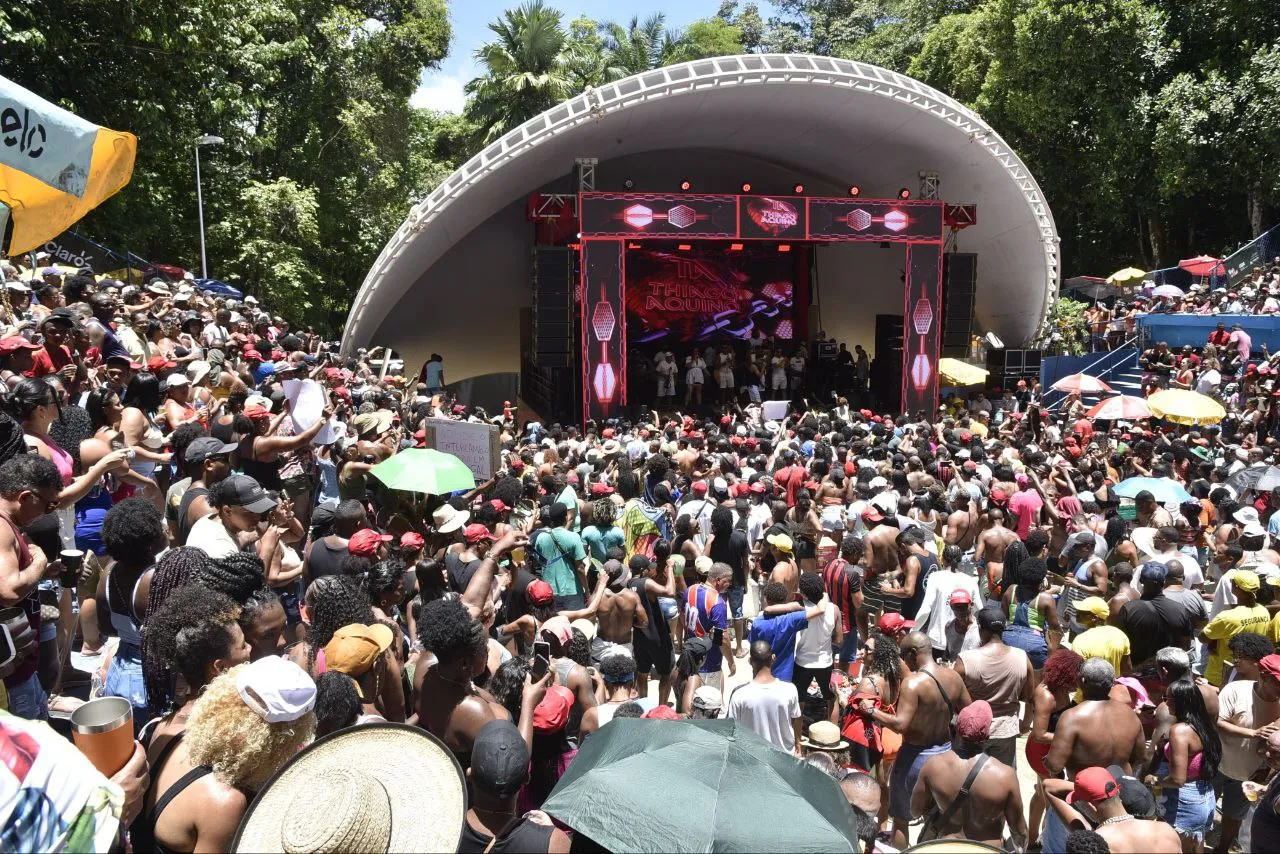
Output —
<point x="424" y="470"/>
<point x="707" y="785"/>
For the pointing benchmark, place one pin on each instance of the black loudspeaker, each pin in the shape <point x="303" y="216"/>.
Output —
<point x="886" y="368"/>
<point x="959" y="290"/>
<point x="553" y="291"/>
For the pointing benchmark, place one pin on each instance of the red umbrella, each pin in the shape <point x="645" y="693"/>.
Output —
<point x="1202" y="265"/>
<point x="1081" y="384"/>
<point x="1125" y="407"/>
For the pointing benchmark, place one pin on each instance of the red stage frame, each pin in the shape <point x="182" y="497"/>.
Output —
<point x="607" y="221"/>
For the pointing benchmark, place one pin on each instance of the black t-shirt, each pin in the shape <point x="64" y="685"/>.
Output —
<point x="1153" y="624"/>
<point x="1264" y="832"/>
<point x="735" y="551"/>
<point x="459" y="572"/>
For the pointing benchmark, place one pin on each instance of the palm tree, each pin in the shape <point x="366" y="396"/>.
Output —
<point x="524" y="70"/>
<point x="642" y="46"/>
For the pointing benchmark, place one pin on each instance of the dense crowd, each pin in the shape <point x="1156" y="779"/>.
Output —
<point x="921" y="606"/>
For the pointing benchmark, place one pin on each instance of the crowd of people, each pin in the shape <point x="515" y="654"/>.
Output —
<point x="918" y="606"/>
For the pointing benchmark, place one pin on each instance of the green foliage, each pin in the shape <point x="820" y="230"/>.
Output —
<point x="1068" y="328"/>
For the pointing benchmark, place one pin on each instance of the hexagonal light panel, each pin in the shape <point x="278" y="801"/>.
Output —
<point x="637" y="216"/>
<point x="858" y="219"/>
<point x="895" y="220"/>
<point x="682" y="216"/>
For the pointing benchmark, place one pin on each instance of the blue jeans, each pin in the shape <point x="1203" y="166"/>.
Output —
<point x="735" y="596"/>
<point x="849" y="648"/>
<point x="1054" y="838"/>
<point x="29" y="700"/>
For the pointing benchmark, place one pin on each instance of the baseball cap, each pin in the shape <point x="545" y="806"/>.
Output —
<point x="206" y="446"/>
<point x="1153" y="572"/>
<point x="960" y="597"/>
<point x="585" y="626"/>
<point x="257" y="412"/>
<point x="1270" y="664"/>
<point x="539" y="592"/>
<point x="354" y="648"/>
<point x="702" y="564"/>
<point x="240" y="490"/>
<point x="1092" y="785"/>
<point x="872" y="514"/>
<point x="364" y="543"/>
<point x="639" y="563"/>
<point x="14" y="343"/>
<point x="1245" y="579"/>
<point x="892" y="622"/>
<point x="710" y="699"/>
<point x="476" y="533"/>
<point x="500" y="759"/>
<point x="1137" y="800"/>
<point x="780" y="541"/>
<point x="160" y="363"/>
<point x="1094" y="605"/>
<point x="412" y="540"/>
<point x="559" y="628"/>
<point x="552" y="713"/>
<point x="276" y="689"/>
<point x="699" y="486"/>
<point x="176" y="380"/>
<point x="974" y="722"/>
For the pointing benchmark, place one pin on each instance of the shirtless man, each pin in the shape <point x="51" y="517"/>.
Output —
<point x="929" y="699"/>
<point x="962" y="524"/>
<point x="618" y="614"/>
<point x="881" y="542"/>
<point x="786" y="570"/>
<point x="1098" y="731"/>
<point x="919" y="479"/>
<point x="989" y="552"/>
<point x="1095" y="793"/>
<point x="994" y="797"/>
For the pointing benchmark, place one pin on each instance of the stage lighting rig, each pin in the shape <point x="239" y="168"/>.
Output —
<point x="855" y="191"/>
<point x="904" y="193"/>
<point x="685" y="186"/>
<point x="746" y="187"/>
<point x="628" y="184"/>
<point x="798" y="189"/>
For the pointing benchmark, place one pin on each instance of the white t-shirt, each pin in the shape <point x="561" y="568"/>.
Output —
<point x="211" y="537"/>
<point x="1190" y="566"/>
<point x="935" y="610"/>
<point x="768" y="710"/>
<point x="1238" y="704"/>
<point x="813" y="645"/>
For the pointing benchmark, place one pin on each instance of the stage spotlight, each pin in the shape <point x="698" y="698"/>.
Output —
<point x="735" y="247"/>
<point x="684" y="247"/>
<point x="904" y="193"/>
<point x="746" y="187"/>
<point x="855" y="191"/>
<point x="685" y="186"/>
<point x="784" y="247"/>
<point x="633" y="245"/>
<point x="629" y="184"/>
<point x="798" y="189"/>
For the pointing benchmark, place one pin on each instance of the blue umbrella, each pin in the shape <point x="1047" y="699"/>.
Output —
<point x="222" y="289"/>
<point x="1164" y="490"/>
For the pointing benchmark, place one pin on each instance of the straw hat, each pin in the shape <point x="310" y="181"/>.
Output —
<point x="376" y="787"/>
<point x="824" y="735"/>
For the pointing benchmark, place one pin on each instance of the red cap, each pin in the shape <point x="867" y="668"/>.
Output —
<point x="412" y="540"/>
<point x="499" y="505"/>
<point x="476" y="533"/>
<point x="343" y="392"/>
<point x="14" y="343"/>
<point x="700" y="487"/>
<point x="999" y="494"/>
<point x="966" y="436"/>
<point x="601" y="489"/>
<point x="662" y="713"/>
<point x="539" y="592"/>
<point x="515" y="465"/>
<point x="757" y="487"/>
<point x="607" y="433"/>
<point x="251" y="354"/>
<point x="364" y="543"/>
<point x="740" y="489"/>
<point x="160" y="363"/>
<point x="1094" y="784"/>
<point x="892" y="622"/>
<point x="553" y="712"/>
<point x="257" y="413"/>
<point x="969" y="466"/>
<point x="1270" y="664"/>
<point x="960" y="597"/>
<point x="872" y="514"/>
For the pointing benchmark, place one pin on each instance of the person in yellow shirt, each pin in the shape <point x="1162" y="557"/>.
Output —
<point x="1099" y="640"/>
<point x="1246" y="616"/>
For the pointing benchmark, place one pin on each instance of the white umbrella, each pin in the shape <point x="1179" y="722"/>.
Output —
<point x="1168" y="291"/>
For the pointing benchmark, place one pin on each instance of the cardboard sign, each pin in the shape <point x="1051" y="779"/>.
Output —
<point x="476" y="444"/>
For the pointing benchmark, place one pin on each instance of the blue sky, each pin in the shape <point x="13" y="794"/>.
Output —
<point x="442" y="89"/>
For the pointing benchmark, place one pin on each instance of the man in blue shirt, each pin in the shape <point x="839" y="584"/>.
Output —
<point x="433" y="374"/>
<point x="781" y="621"/>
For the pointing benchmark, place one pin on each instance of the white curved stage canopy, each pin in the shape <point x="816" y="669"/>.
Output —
<point x="453" y="278"/>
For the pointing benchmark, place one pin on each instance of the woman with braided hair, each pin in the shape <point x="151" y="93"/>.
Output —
<point x="237" y="575"/>
<point x="175" y="570"/>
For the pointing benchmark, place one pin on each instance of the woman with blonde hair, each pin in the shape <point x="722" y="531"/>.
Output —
<point x="248" y="722"/>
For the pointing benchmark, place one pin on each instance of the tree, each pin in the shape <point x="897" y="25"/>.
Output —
<point x="711" y="37"/>
<point x="524" y="70"/>
<point x="749" y="23"/>
<point x="642" y="45"/>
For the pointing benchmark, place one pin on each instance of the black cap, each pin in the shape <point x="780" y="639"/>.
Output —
<point x="499" y="759"/>
<point x="1137" y="799"/>
<point x="240" y="490"/>
<point x="639" y="563"/>
<point x="61" y="316"/>
<point x="206" y="446"/>
<point x="991" y="619"/>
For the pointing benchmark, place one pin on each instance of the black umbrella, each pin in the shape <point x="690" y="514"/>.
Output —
<point x="1257" y="478"/>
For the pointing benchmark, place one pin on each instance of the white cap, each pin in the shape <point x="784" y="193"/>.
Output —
<point x="719" y="485"/>
<point x="18" y="286"/>
<point x="276" y="689"/>
<point x="877" y="482"/>
<point x="198" y="370"/>
<point x="258" y="400"/>
<point x="1246" y="516"/>
<point x="251" y="300"/>
<point x="176" y="379"/>
<point x="158" y="288"/>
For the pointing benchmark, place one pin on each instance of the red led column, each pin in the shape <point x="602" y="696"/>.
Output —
<point x="604" y="329"/>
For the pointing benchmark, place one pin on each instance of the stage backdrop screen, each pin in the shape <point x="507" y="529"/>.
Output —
<point x="678" y="297"/>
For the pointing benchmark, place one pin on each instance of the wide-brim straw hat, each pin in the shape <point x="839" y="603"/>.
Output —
<point x="376" y="787"/>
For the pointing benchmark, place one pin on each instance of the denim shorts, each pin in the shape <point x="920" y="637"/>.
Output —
<point x="669" y="608"/>
<point x="29" y="700"/>
<point x="735" y="595"/>
<point x="1189" y="808"/>
<point x="124" y="679"/>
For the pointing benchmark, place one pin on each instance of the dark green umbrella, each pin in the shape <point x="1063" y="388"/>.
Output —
<point x="654" y="785"/>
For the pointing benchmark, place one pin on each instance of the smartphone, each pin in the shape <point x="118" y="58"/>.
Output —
<point x="541" y="659"/>
<point x="717" y="636"/>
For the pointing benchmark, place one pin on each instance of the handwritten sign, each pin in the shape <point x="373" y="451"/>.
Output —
<point x="477" y="445"/>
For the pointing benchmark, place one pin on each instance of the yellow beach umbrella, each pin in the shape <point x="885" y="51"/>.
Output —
<point x="956" y="372"/>
<point x="55" y="167"/>
<point x="1128" y="274"/>
<point x="1182" y="406"/>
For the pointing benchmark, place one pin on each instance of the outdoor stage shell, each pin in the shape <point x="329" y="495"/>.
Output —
<point x="453" y="277"/>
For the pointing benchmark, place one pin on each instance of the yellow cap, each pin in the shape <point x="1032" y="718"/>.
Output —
<point x="1245" y="579"/>
<point x="354" y="648"/>
<point x="1094" y="605"/>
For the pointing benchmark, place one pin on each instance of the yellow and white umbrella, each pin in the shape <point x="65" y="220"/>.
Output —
<point x="1183" y="406"/>
<point x="958" y="373"/>
<point x="1128" y="274"/>
<point x="55" y="167"/>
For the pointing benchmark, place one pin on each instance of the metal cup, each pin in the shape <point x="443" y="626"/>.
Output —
<point x="72" y="560"/>
<point x="103" y="730"/>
